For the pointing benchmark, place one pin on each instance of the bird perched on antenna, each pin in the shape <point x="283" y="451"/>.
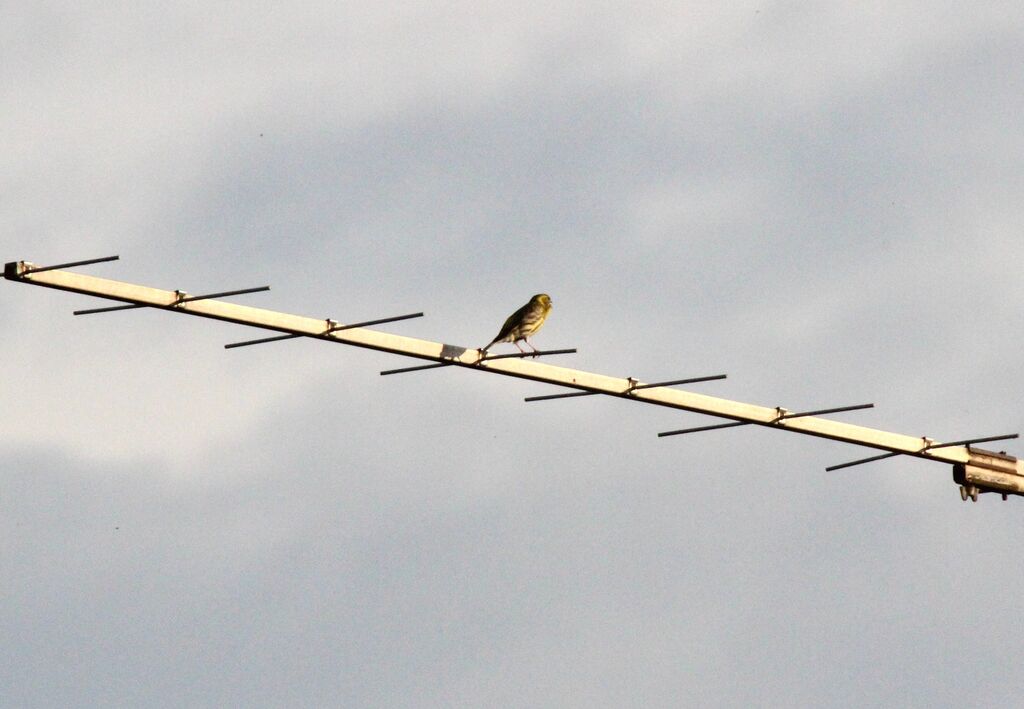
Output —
<point x="524" y="322"/>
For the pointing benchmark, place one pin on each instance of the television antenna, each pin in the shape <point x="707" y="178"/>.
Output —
<point x="975" y="470"/>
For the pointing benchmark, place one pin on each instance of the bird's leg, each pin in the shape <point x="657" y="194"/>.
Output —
<point x="516" y="343"/>
<point x="527" y="341"/>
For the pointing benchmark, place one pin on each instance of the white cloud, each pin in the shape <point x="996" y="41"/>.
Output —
<point x="820" y="201"/>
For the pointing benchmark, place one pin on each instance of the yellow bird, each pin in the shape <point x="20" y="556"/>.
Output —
<point x="524" y="322"/>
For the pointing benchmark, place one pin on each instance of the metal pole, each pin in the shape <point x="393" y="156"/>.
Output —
<point x="189" y="299"/>
<point x="655" y="385"/>
<point x="337" y="328"/>
<point x="441" y="354"/>
<point x="71" y="264"/>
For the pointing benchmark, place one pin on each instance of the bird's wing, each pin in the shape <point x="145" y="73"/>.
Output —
<point x="513" y="320"/>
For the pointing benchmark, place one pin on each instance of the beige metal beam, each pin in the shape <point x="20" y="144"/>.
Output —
<point x="1008" y="477"/>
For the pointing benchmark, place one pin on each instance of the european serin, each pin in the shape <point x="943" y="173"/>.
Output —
<point x="524" y="322"/>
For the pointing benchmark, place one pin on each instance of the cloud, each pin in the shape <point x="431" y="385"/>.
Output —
<point x="820" y="202"/>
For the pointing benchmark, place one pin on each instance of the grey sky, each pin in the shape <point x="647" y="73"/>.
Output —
<point x="822" y="201"/>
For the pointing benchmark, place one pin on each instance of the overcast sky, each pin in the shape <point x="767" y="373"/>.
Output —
<point x="823" y="202"/>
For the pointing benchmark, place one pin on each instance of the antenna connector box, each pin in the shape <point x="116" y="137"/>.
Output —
<point x="989" y="472"/>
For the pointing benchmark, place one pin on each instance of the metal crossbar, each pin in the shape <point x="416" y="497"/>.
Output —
<point x="980" y="470"/>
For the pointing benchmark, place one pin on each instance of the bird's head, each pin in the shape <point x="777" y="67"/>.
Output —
<point x="541" y="299"/>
